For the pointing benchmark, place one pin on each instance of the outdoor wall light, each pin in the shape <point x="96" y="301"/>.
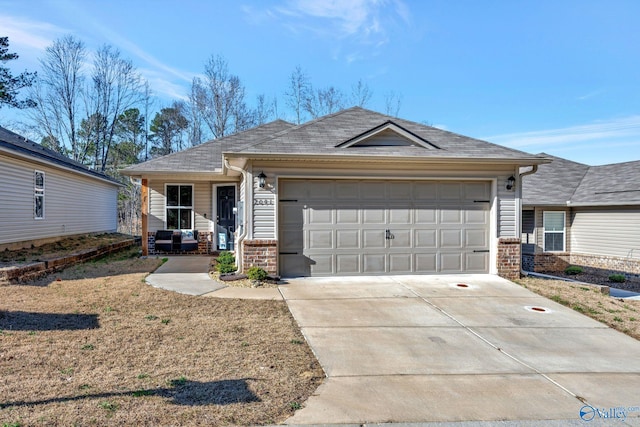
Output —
<point x="262" y="180"/>
<point x="511" y="182"/>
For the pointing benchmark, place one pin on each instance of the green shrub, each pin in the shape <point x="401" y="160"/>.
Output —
<point x="226" y="257"/>
<point x="256" y="273"/>
<point x="573" y="270"/>
<point x="226" y="268"/>
<point x="617" y="278"/>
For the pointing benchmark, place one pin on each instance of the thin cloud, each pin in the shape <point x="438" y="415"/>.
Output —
<point x="25" y="33"/>
<point x="626" y="127"/>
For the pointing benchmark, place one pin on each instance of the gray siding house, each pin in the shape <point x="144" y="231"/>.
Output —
<point x="45" y="196"/>
<point x="583" y="215"/>
<point x="355" y="192"/>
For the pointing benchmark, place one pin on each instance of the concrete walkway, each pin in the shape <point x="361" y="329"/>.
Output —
<point x="190" y="275"/>
<point x="423" y="349"/>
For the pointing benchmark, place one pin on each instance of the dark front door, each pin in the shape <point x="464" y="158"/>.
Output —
<point x="226" y="218"/>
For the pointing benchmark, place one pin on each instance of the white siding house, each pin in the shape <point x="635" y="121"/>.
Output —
<point x="45" y="196"/>
<point x="355" y="192"/>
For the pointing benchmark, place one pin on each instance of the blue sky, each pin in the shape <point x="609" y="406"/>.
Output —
<point x="555" y="76"/>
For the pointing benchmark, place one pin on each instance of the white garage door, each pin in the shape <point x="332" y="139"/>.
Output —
<point x="342" y="227"/>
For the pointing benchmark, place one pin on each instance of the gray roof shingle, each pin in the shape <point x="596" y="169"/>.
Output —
<point x="324" y="135"/>
<point x="207" y="157"/>
<point x="563" y="181"/>
<point x="19" y="144"/>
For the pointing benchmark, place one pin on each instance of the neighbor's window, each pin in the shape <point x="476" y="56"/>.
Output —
<point x="179" y="207"/>
<point x="38" y="195"/>
<point x="554" y="231"/>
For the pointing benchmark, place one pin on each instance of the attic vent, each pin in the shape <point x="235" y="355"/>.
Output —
<point x="389" y="134"/>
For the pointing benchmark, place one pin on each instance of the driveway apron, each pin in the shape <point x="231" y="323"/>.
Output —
<point x="409" y="349"/>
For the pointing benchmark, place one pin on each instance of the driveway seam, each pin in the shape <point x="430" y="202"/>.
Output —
<point x="477" y="334"/>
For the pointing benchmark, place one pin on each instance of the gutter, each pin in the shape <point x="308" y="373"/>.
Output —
<point x="243" y="234"/>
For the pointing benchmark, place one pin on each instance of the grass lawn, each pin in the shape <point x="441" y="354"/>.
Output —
<point x="620" y="314"/>
<point x="95" y="345"/>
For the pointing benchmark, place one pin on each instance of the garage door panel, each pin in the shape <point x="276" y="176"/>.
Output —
<point x="451" y="262"/>
<point x="384" y="227"/>
<point x="347" y="239"/>
<point x="426" y="263"/>
<point x="426" y="239"/>
<point x="400" y="216"/>
<point x="373" y="239"/>
<point x="347" y="263"/>
<point x="320" y="239"/>
<point x="476" y="239"/>
<point x="450" y="239"/>
<point x="450" y="215"/>
<point x="374" y="215"/>
<point x="400" y="263"/>
<point x="426" y="215"/>
<point x="322" y="265"/>
<point x="373" y="190"/>
<point x="476" y="262"/>
<point x="374" y="263"/>
<point x="291" y="215"/>
<point x="476" y="191"/>
<point x="320" y="215"/>
<point x="401" y="239"/>
<point x="348" y="216"/>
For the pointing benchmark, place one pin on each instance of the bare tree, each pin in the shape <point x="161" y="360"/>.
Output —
<point x="392" y="103"/>
<point x="116" y="88"/>
<point x="58" y="94"/>
<point x="298" y="93"/>
<point x="220" y="99"/>
<point x="324" y="101"/>
<point x="264" y="110"/>
<point x="360" y="94"/>
<point x="147" y="100"/>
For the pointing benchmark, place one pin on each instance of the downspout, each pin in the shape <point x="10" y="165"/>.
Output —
<point x="243" y="234"/>
<point x="534" y="169"/>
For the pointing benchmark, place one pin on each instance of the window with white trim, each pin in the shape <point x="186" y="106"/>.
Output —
<point x="179" y="207"/>
<point x="554" y="231"/>
<point x="38" y="195"/>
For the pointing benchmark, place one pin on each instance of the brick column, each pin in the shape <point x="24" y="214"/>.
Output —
<point x="509" y="250"/>
<point x="260" y="253"/>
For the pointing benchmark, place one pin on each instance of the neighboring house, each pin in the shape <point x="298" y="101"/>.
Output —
<point x="45" y="196"/>
<point x="583" y="215"/>
<point x="355" y="192"/>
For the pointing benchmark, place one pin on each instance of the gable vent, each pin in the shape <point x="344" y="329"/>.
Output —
<point x="389" y="134"/>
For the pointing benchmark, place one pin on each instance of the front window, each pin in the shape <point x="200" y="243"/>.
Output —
<point x="179" y="207"/>
<point x="38" y="195"/>
<point x="554" y="231"/>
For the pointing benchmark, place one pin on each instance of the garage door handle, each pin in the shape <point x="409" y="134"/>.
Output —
<point x="288" y="253"/>
<point x="482" y="201"/>
<point x="480" y="251"/>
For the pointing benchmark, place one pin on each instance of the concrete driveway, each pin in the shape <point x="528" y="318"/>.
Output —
<point x="409" y="349"/>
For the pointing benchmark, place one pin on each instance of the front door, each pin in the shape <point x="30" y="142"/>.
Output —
<point x="226" y="218"/>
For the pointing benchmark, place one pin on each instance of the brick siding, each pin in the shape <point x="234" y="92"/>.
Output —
<point x="260" y="253"/>
<point x="509" y="258"/>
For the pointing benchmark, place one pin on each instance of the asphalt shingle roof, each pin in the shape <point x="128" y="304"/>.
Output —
<point x="563" y="181"/>
<point x="324" y="135"/>
<point x="19" y="144"/>
<point x="207" y="157"/>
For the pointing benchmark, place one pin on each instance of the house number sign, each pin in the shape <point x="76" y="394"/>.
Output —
<point x="263" y="202"/>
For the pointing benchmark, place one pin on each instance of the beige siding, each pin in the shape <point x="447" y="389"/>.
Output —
<point x="264" y="210"/>
<point x="74" y="203"/>
<point x="202" y="204"/>
<point x="507" y="210"/>
<point x="611" y="232"/>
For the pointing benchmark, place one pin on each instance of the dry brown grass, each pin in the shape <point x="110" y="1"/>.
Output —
<point x="623" y="315"/>
<point x="95" y="345"/>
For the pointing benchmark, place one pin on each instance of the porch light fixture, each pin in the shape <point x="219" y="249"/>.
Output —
<point x="262" y="180"/>
<point x="511" y="182"/>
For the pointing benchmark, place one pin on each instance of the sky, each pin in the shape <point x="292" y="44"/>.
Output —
<point x="554" y="76"/>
